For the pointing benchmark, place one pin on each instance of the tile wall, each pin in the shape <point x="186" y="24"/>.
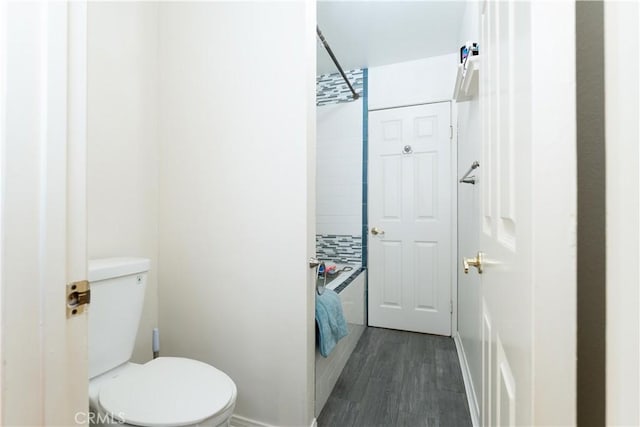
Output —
<point x="342" y="249"/>
<point x="332" y="89"/>
<point x="341" y="162"/>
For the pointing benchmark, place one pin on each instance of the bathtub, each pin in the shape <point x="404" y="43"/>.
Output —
<point x="340" y="281"/>
<point x="351" y="288"/>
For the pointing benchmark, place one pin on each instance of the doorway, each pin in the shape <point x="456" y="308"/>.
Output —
<point x="410" y="218"/>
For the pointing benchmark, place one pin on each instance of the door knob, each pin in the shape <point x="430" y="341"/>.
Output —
<point x="473" y="262"/>
<point x="375" y="231"/>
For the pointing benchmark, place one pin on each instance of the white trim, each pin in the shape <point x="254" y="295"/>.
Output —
<point x="77" y="142"/>
<point x="453" y="118"/>
<point x="238" y="421"/>
<point x="438" y="101"/>
<point x="623" y="213"/>
<point x="468" y="381"/>
<point x="76" y="189"/>
<point x="3" y="137"/>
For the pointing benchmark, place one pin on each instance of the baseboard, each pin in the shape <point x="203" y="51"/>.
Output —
<point x="468" y="382"/>
<point x="238" y="421"/>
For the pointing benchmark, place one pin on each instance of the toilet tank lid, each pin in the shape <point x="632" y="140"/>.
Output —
<point x="109" y="268"/>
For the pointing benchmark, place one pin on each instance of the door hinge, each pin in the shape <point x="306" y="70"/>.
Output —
<point x="451" y="132"/>
<point x="78" y="297"/>
<point x="451" y="307"/>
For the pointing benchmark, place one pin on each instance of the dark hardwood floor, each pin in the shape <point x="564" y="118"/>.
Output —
<point x="397" y="378"/>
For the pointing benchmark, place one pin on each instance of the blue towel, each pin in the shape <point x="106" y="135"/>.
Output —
<point x="330" y="320"/>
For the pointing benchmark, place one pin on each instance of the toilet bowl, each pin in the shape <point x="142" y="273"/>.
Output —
<point x="164" y="392"/>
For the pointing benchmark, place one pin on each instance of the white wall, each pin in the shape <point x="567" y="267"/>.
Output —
<point x="469" y="285"/>
<point x="339" y="162"/>
<point x="123" y="142"/>
<point x="412" y="82"/>
<point x="623" y="212"/>
<point x="237" y="106"/>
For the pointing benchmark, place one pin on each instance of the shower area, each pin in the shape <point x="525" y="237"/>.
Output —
<point x="341" y="210"/>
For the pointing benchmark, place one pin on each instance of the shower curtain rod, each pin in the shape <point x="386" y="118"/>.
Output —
<point x="335" y="61"/>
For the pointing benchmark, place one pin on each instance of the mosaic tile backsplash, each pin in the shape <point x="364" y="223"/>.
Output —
<point x="332" y="89"/>
<point x="339" y="248"/>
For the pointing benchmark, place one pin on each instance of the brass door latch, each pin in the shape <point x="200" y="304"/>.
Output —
<point x="473" y="262"/>
<point x="78" y="297"/>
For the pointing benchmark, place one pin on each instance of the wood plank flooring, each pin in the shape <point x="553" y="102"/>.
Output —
<point x="397" y="378"/>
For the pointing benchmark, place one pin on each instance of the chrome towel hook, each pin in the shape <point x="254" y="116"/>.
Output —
<point x="466" y="179"/>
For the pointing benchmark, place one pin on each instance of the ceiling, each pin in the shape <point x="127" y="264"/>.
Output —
<point x="371" y="33"/>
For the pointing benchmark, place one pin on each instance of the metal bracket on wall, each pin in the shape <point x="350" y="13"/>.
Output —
<point x="466" y="179"/>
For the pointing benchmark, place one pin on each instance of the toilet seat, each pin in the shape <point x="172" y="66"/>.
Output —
<point x="168" y="392"/>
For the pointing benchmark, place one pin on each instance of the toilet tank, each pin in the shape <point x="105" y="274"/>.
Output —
<point x="117" y="298"/>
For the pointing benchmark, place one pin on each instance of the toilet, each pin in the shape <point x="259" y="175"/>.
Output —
<point x="167" y="391"/>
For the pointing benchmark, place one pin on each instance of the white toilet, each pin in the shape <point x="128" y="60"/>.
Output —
<point x="167" y="391"/>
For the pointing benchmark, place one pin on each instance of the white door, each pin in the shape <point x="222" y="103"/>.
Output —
<point x="43" y="225"/>
<point x="410" y="240"/>
<point x="506" y="293"/>
<point x="527" y="219"/>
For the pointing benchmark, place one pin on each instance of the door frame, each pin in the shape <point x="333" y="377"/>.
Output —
<point x="453" y="286"/>
<point x="622" y="163"/>
<point x="55" y="156"/>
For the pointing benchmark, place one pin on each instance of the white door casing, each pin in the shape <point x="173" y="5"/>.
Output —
<point x="622" y="35"/>
<point x="44" y="355"/>
<point x="410" y="193"/>
<point x="527" y="225"/>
